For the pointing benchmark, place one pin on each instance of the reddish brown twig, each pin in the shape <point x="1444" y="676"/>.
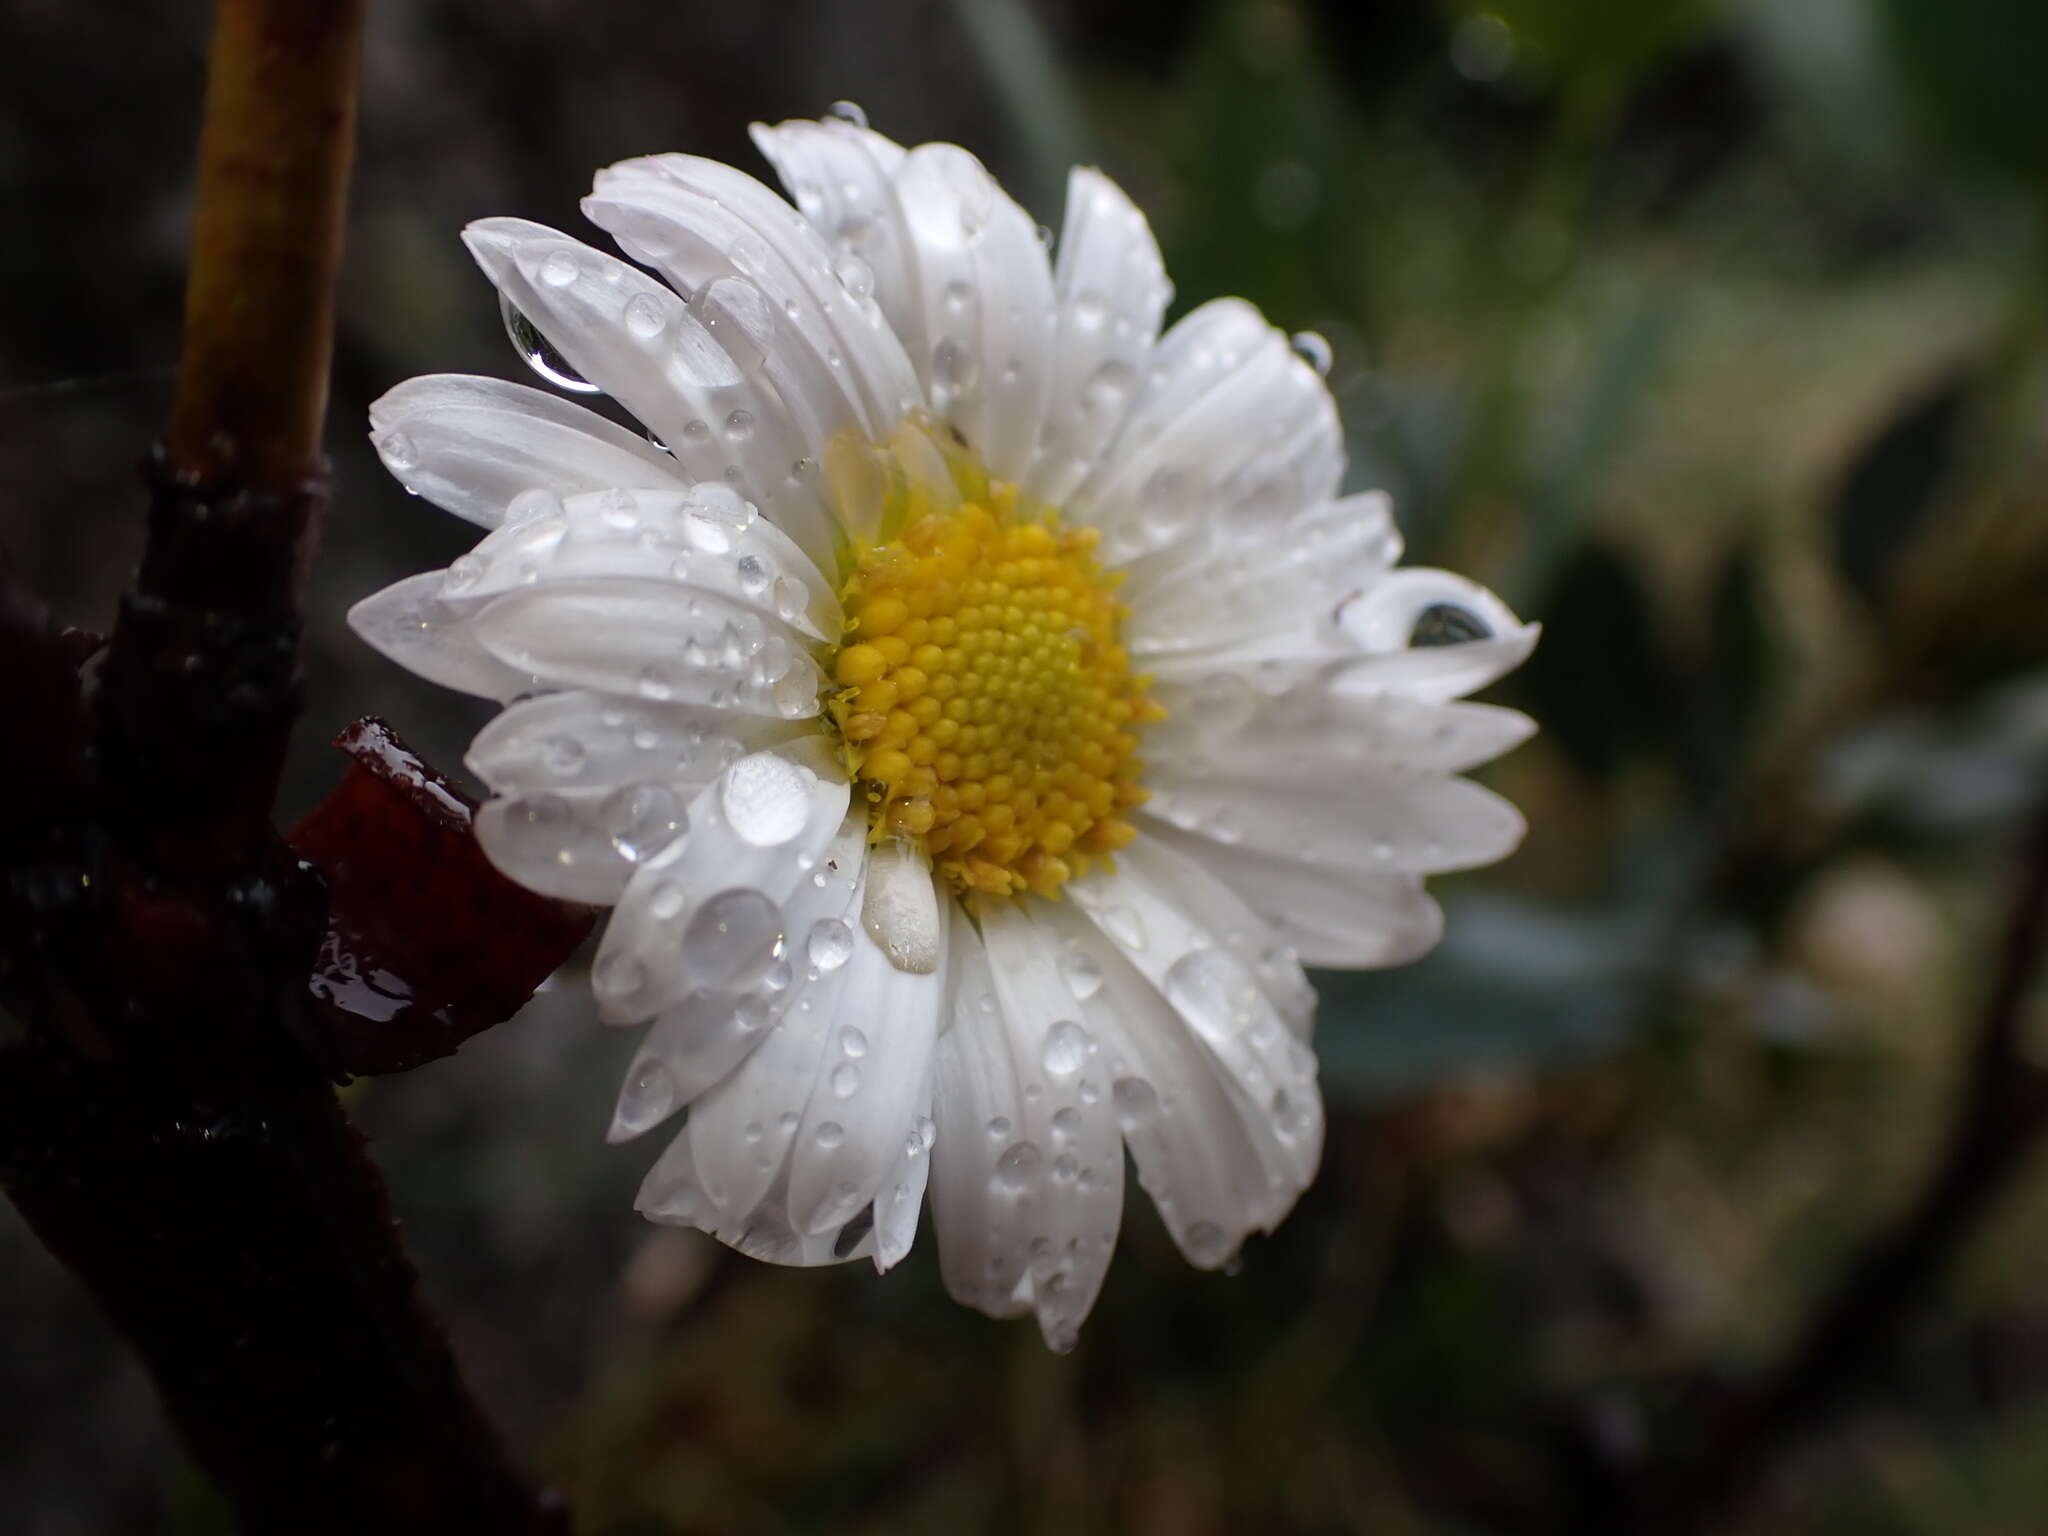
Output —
<point x="166" y="1121"/>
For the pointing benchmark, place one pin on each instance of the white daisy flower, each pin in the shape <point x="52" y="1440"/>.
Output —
<point x="974" y="705"/>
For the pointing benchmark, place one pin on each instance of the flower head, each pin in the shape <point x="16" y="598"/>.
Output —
<point x="974" y="705"/>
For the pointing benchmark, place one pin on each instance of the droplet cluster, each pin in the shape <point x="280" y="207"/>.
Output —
<point x="986" y="702"/>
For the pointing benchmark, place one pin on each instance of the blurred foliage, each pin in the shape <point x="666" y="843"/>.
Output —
<point x="1713" y="333"/>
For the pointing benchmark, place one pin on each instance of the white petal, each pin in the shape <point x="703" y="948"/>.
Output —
<point x="841" y="178"/>
<point x="1111" y="290"/>
<point x="709" y="906"/>
<point x="698" y="222"/>
<point x="580" y="844"/>
<point x="659" y="642"/>
<point x="869" y="1078"/>
<point x="1223" y="979"/>
<point x="703" y="394"/>
<point x="472" y="444"/>
<point x="671" y="1194"/>
<point x="984" y="1242"/>
<point x="989" y="313"/>
<point x="901" y="1196"/>
<point x="1344" y="811"/>
<point x="1231" y="439"/>
<point x="409" y="623"/>
<point x="705" y="538"/>
<point x="1329" y="913"/>
<point x="595" y="741"/>
<point x="1198" y="1145"/>
<point x="1066" y="1169"/>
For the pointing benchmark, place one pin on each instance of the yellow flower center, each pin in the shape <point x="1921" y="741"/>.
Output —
<point x="986" y="704"/>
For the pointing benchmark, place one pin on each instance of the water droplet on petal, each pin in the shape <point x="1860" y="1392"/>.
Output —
<point x="829" y="1135"/>
<point x="643" y="820"/>
<point x="1019" y="1170"/>
<point x="765" y="799"/>
<point x="731" y="933"/>
<point x="848" y="112"/>
<point x="753" y="575"/>
<point x="830" y="944"/>
<point x="645" y="317"/>
<point x="1123" y="926"/>
<point x="1066" y="1048"/>
<point x="845" y="1080"/>
<point x="739" y="318"/>
<point x="539" y="353"/>
<point x="1137" y="1101"/>
<point x="1314" y="349"/>
<point x="1082" y="973"/>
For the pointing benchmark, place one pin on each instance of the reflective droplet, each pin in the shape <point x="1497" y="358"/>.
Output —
<point x="739" y="426"/>
<point x="750" y="1013"/>
<point x="765" y="799"/>
<point x="531" y="506"/>
<point x="665" y="900"/>
<point x="853" y="1042"/>
<point x="739" y="318"/>
<point x="1066" y="1123"/>
<point x="645" y="317"/>
<point x="1314" y="349"/>
<point x="647" y="1099"/>
<point x="462" y="574"/>
<point x="753" y="575"/>
<point x="856" y="277"/>
<point x="998" y="1128"/>
<point x="564" y="756"/>
<point x="539" y="353"/>
<point x="790" y="599"/>
<point x="954" y="367"/>
<point x="830" y="944"/>
<point x="848" y="112"/>
<point x="732" y="933"/>
<point x="829" y="1134"/>
<point x="1082" y="973"/>
<point x="1088" y="312"/>
<point x="1020" y="1169"/>
<point x="845" y="1080"/>
<point x="397" y="452"/>
<point x="643" y="820"/>
<point x="1066" y="1048"/>
<point x="1446" y="624"/>
<point x="1122" y="925"/>
<point x="559" y="269"/>
<point x="1137" y="1101"/>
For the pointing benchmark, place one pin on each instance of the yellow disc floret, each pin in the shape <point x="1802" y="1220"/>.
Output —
<point x="986" y="704"/>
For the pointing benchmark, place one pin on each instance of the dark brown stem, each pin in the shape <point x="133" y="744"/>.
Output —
<point x="166" y="1123"/>
<point x="2001" y="1114"/>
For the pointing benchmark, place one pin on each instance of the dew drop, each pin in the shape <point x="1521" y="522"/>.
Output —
<point x="829" y="1135"/>
<point x="731" y="933"/>
<point x="1314" y="349"/>
<point x="539" y="353"/>
<point x="618" y="976"/>
<point x="1066" y="1124"/>
<point x="1082" y="973"/>
<point x="998" y="1128"/>
<point x="1137" y="1101"/>
<point x="753" y="575"/>
<point x="853" y="1042"/>
<point x="1019" y="1170"/>
<point x="397" y="452"/>
<point x="1124" y="926"/>
<point x="647" y="1098"/>
<point x="848" y="112"/>
<point x="531" y="506"/>
<point x="665" y="900"/>
<point x="645" y="317"/>
<point x="643" y="820"/>
<point x="765" y="799"/>
<point x="739" y="426"/>
<point x="830" y="944"/>
<point x="856" y="277"/>
<point x="845" y="1080"/>
<point x="739" y="318"/>
<point x="1066" y="1048"/>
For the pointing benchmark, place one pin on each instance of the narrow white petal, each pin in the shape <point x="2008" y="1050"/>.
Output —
<point x="984" y="1236"/>
<point x="580" y="740"/>
<point x="409" y="623"/>
<point x="1066" y="1170"/>
<point x="1330" y="913"/>
<point x="708" y="909"/>
<point x="841" y="178"/>
<point x="1199" y="1146"/>
<point x="987" y="294"/>
<point x="672" y="1195"/>
<point x="702" y="392"/>
<point x="865" y="1099"/>
<point x="472" y="444"/>
<point x="651" y="640"/>
<point x="1111" y="289"/>
<point x="901" y="1196"/>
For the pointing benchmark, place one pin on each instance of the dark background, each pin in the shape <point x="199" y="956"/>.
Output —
<point x="1714" y="335"/>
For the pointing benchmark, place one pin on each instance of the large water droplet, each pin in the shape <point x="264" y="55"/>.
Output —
<point x="1082" y="973"/>
<point x="539" y="353"/>
<point x="765" y="799"/>
<point x="731" y="934"/>
<point x="645" y="316"/>
<point x="643" y="820"/>
<point x="397" y="452"/>
<point x="1066" y="1048"/>
<point x="830" y="944"/>
<point x="1019" y="1170"/>
<point x="1137" y="1101"/>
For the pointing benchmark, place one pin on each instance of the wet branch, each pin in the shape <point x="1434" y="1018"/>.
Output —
<point x="168" y="1124"/>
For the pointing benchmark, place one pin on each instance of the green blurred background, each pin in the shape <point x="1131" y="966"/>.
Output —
<point x="1712" y="333"/>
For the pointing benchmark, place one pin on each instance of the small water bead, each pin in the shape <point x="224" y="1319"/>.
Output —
<point x="829" y="1134"/>
<point x="1109" y="388"/>
<point x="1066" y="1047"/>
<point x="1082" y="973"/>
<point x="1066" y="1167"/>
<point x="531" y="506"/>
<point x="620" y="510"/>
<point x="845" y="1080"/>
<point x="731" y="932"/>
<point x="1167" y="505"/>
<point x="1136" y="1100"/>
<point x="1124" y="926"/>
<point x="830" y="944"/>
<point x="737" y="314"/>
<point x="766" y="799"/>
<point x="1314" y="349"/>
<point x="643" y="819"/>
<point x="397" y="451"/>
<point x="753" y="575"/>
<point x="645" y="317"/>
<point x="856" y="276"/>
<point x="1088" y="312"/>
<point x="564" y="756"/>
<point x="1066" y="1124"/>
<point x="999" y="1128"/>
<point x="739" y="426"/>
<point x="1020" y="1169"/>
<point x="750" y="1013"/>
<point x="848" y="112"/>
<point x="462" y="575"/>
<point x="958" y="297"/>
<point x="852" y="1042"/>
<point x="697" y="431"/>
<point x="791" y="599"/>
<point x="752" y="1132"/>
<point x="656" y="682"/>
<point x="540" y="354"/>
